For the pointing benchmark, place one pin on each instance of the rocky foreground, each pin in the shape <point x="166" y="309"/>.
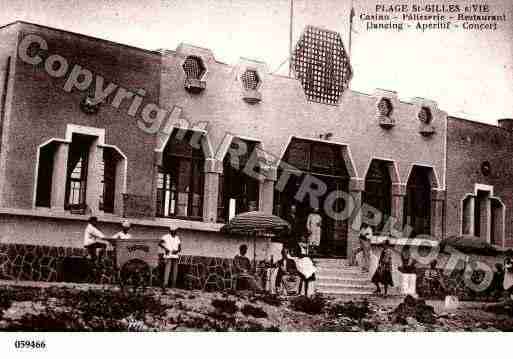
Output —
<point x="82" y="309"/>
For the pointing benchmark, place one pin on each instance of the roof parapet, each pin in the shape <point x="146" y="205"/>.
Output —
<point x="423" y="102"/>
<point x="185" y="50"/>
<point x="258" y="65"/>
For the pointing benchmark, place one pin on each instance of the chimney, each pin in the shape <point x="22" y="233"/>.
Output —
<point x="506" y="123"/>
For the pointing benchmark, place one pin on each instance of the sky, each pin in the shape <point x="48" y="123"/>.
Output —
<point x="468" y="73"/>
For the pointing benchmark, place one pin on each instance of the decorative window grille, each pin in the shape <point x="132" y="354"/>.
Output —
<point x="425" y="115"/>
<point x="385" y="107"/>
<point x="322" y="65"/>
<point x="194" y="68"/>
<point x="250" y="80"/>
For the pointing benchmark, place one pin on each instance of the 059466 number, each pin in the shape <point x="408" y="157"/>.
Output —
<point x="29" y="344"/>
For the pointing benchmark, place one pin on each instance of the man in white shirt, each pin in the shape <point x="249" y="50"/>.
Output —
<point x="171" y="245"/>
<point x="94" y="238"/>
<point x="124" y="232"/>
<point x="365" y="237"/>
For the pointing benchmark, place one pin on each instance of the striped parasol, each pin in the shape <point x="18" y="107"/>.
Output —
<point x="257" y="224"/>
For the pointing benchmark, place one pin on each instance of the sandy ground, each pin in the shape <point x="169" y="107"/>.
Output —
<point x="36" y="306"/>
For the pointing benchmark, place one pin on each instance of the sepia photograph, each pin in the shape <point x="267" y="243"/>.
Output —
<point x="255" y="166"/>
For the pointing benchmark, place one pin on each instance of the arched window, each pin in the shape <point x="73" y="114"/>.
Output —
<point x="378" y="190"/>
<point x="77" y="171"/>
<point x="108" y="178"/>
<point x="417" y="203"/>
<point x="45" y="173"/>
<point x="238" y="191"/>
<point x="181" y="178"/>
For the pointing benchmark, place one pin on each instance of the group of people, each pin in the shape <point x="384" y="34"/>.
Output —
<point x="431" y="280"/>
<point x="97" y="243"/>
<point x="294" y="259"/>
<point x="294" y="263"/>
<point x="290" y="265"/>
<point x="502" y="282"/>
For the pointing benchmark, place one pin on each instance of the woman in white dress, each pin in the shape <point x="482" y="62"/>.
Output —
<point x="313" y="226"/>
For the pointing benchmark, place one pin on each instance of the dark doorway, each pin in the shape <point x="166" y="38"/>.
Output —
<point x="417" y="204"/>
<point x="323" y="161"/>
<point x="378" y="191"/>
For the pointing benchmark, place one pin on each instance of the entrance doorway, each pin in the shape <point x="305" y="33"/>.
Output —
<point x="378" y="191"/>
<point x="325" y="163"/>
<point x="417" y="203"/>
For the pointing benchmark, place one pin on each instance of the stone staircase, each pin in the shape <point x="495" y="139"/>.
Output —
<point x="335" y="277"/>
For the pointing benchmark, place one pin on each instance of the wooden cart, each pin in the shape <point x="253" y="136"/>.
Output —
<point x="135" y="260"/>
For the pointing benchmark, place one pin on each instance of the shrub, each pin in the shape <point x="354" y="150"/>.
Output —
<point x="225" y="306"/>
<point x="353" y="310"/>
<point x="267" y="298"/>
<point x="53" y="321"/>
<point x="254" y="327"/>
<point x="115" y="305"/>
<point x="414" y="308"/>
<point x="309" y="305"/>
<point x="257" y="312"/>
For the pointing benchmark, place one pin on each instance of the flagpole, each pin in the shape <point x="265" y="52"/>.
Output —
<point x="290" y="36"/>
<point x="351" y="15"/>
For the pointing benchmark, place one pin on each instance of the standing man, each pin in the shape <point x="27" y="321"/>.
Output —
<point x="286" y="266"/>
<point x="171" y="245"/>
<point x="94" y="238"/>
<point x="293" y="242"/>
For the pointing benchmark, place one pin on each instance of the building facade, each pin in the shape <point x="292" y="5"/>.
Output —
<point x="479" y="186"/>
<point x="160" y="137"/>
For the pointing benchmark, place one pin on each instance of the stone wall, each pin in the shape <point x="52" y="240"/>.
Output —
<point x="52" y="264"/>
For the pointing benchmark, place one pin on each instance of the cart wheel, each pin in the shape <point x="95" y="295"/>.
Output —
<point x="136" y="273"/>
